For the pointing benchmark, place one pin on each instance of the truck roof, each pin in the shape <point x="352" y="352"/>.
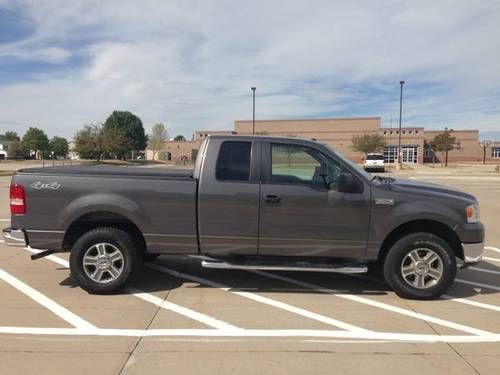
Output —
<point x="269" y="138"/>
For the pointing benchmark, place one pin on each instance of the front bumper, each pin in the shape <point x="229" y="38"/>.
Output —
<point x="473" y="252"/>
<point x="14" y="237"/>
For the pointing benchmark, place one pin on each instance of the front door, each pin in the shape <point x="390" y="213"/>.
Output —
<point x="302" y="213"/>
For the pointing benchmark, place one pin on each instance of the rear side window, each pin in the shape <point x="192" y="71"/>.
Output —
<point x="233" y="163"/>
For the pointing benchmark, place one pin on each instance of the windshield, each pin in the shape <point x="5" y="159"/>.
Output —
<point x="349" y="162"/>
<point x="375" y="157"/>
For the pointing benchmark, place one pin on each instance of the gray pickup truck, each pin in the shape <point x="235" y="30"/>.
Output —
<point x="251" y="202"/>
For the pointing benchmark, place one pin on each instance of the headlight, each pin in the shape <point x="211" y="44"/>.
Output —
<point x="472" y="213"/>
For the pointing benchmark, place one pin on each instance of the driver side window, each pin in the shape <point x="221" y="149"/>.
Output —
<point x="295" y="164"/>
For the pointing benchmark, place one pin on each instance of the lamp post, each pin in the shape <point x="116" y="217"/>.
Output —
<point x="253" y="118"/>
<point x="400" y="115"/>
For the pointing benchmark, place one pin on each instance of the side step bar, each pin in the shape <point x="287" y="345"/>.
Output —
<point x="306" y="267"/>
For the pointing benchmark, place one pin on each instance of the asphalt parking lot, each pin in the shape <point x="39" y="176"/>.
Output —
<point x="182" y="319"/>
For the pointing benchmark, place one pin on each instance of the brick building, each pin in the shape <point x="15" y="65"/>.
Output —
<point x="339" y="132"/>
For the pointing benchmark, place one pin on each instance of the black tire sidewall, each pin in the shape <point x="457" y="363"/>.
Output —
<point x="393" y="260"/>
<point x="123" y="241"/>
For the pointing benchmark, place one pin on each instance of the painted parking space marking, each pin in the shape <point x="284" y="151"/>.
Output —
<point x="46" y="302"/>
<point x="496" y="249"/>
<point x="164" y="304"/>
<point x="167" y="305"/>
<point x="252" y="296"/>
<point x="374" y="336"/>
<point x="478" y="269"/>
<point x="381" y="305"/>
<point x="231" y="331"/>
<point x="259" y="298"/>
<point x="471" y="302"/>
<point x="491" y="259"/>
<point x="481" y="285"/>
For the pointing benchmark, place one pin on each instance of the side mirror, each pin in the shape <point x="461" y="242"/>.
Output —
<point x="347" y="183"/>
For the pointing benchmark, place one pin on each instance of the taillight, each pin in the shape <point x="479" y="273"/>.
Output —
<point x="17" y="200"/>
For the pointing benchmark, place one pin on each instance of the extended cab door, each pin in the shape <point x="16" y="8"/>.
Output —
<point x="302" y="212"/>
<point x="228" y="196"/>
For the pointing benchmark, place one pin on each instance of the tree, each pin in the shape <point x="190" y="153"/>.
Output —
<point x="444" y="142"/>
<point x="180" y="138"/>
<point x="59" y="146"/>
<point x="158" y="136"/>
<point x="35" y="140"/>
<point x="16" y="150"/>
<point x="114" y="142"/>
<point x="368" y="143"/>
<point x="9" y="136"/>
<point x="132" y="128"/>
<point x="89" y="142"/>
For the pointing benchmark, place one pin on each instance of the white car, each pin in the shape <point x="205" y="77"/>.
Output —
<point x="374" y="162"/>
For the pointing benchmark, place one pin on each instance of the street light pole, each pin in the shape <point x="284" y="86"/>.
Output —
<point x="253" y="121"/>
<point x="400" y="115"/>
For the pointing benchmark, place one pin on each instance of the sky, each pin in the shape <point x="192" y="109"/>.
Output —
<point x="190" y="64"/>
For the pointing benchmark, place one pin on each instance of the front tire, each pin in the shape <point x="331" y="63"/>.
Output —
<point x="420" y="266"/>
<point x="104" y="260"/>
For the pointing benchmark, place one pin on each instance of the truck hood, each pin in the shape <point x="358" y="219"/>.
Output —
<point x="403" y="184"/>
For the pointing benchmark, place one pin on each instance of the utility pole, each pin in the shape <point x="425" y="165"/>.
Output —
<point x="400" y="115"/>
<point x="253" y="118"/>
<point x="485" y="145"/>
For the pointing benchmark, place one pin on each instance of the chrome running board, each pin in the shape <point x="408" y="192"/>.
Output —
<point x="304" y="267"/>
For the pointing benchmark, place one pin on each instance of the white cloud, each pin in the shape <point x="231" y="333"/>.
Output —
<point x="191" y="64"/>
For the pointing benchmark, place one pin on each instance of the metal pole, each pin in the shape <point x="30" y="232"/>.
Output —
<point x="253" y="118"/>
<point x="400" y="115"/>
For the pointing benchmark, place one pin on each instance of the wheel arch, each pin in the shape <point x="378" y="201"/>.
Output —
<point x="98" y="219"/>
<point x="435" y="227"/>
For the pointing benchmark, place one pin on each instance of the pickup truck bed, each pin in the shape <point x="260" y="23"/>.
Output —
<point x="105" y="170"/>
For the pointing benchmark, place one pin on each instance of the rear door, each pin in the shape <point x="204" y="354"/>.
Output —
<point x="302" y="213"/>
<point x="228" y="197"/>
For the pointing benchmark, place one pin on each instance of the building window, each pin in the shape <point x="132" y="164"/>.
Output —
<point x="385" y="132"/>
<point x="495" y="152"/>
<point x="410" y="132"/>
<point x="409" y="154"/>
<point x="391" y="132"/>
<point x="416" y="131"/>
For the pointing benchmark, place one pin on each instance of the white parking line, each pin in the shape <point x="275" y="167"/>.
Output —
<point x="379" y="336"/>
<point x="4" y="219"/>
<point x="43" y="300"/>
<point x="491" y="259"/>
<point x="496" y="249"/>
<point x="205" y="319"/>
<point x="381" y="305"/>
<point x="164" y="304"/>
<point x="259" y="298"/>
<point x="478" y="269"/>
<point x="472" y="303"/>
<point x="481" y="285"/>
<point x="444" y="296"/>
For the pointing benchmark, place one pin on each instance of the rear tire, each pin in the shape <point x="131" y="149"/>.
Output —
<point x="104" y="260"/>
<point x="420" y="266"/>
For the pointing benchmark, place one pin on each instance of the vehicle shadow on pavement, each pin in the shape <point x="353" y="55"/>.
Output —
<point x="152" y="280"/>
